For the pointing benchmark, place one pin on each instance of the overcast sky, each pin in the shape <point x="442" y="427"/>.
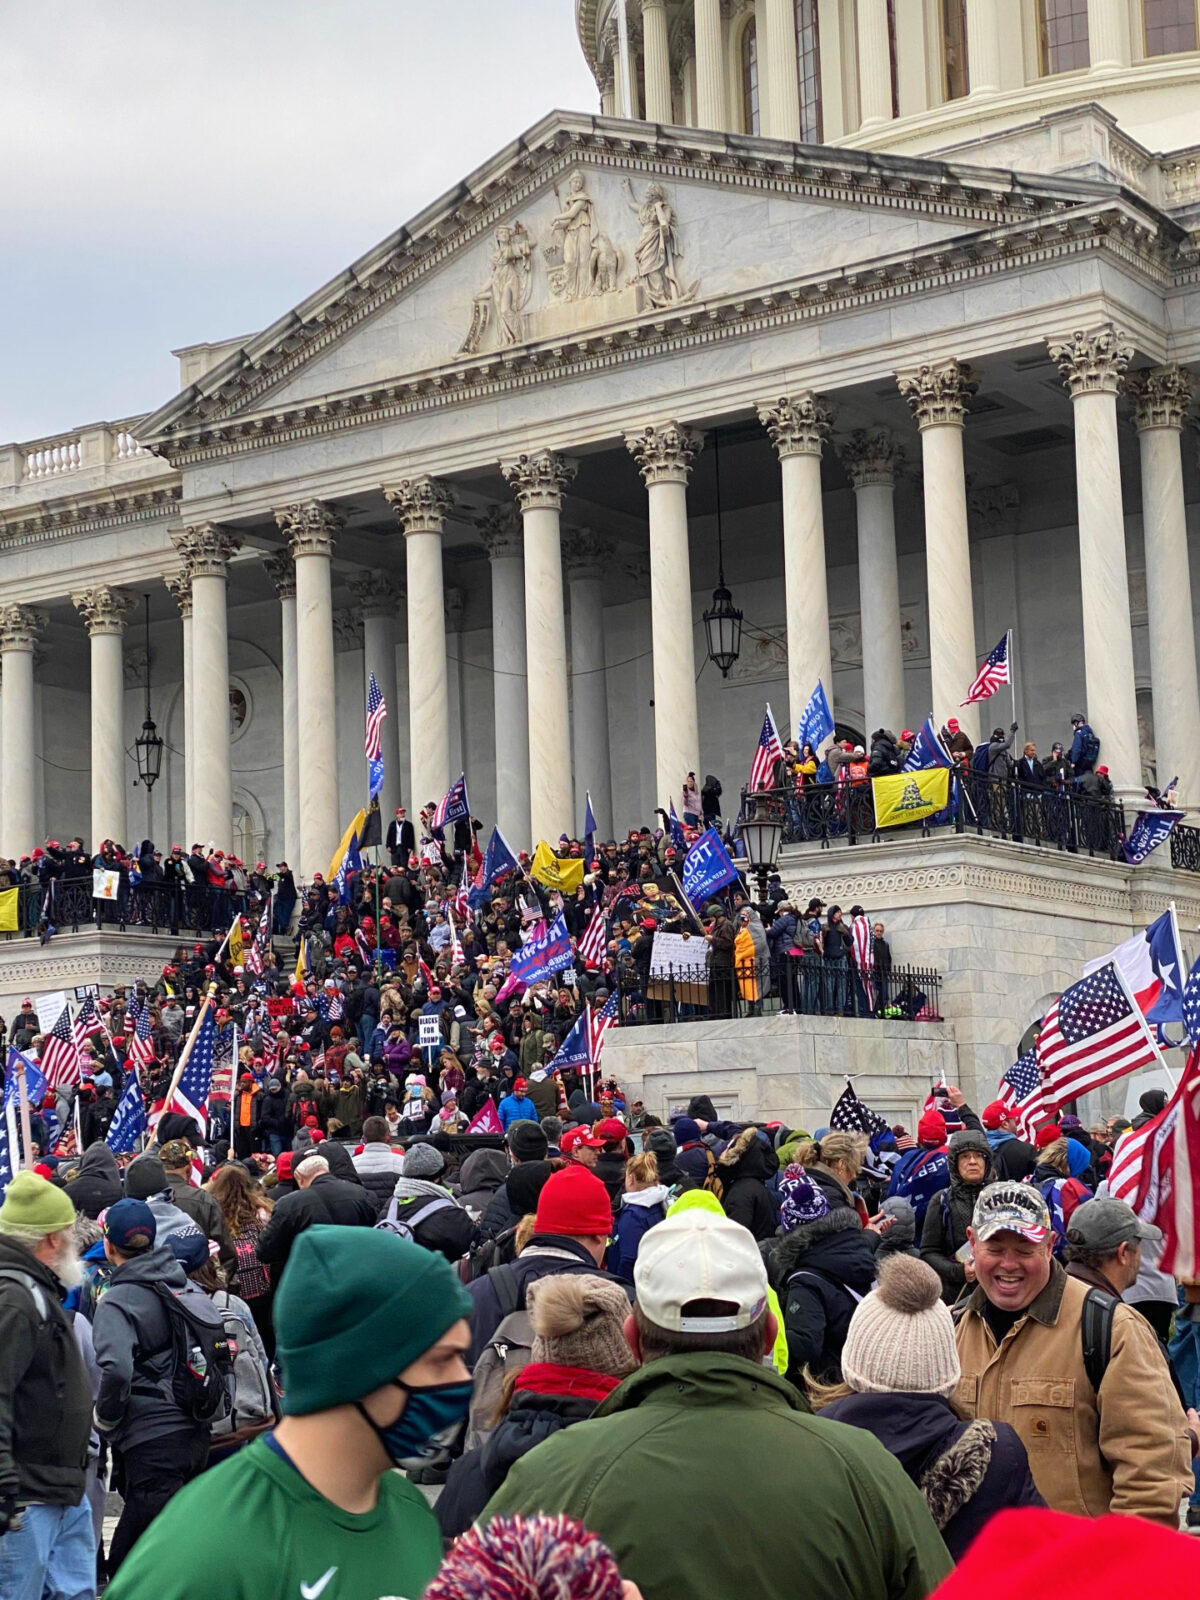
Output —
<point x="177" y="173"/>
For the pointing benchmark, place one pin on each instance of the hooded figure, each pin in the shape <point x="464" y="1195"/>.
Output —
<point x="900" y="1239"/>
<point x="480" y="1175"/>
<point x="820" y="1270"/>
<point x="745" y="1167"/>
<point x="146" y="1179"/>
<point x="98" y="1184"/>
<point x="949" y="1213"/>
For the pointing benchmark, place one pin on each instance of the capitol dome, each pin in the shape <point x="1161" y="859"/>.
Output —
<point x="910" y="77"/>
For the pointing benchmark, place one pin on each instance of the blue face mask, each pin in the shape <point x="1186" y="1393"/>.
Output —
<point x="432" y="1410"/>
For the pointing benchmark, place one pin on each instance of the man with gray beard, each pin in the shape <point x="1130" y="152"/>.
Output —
<point x="47" y="1542"/>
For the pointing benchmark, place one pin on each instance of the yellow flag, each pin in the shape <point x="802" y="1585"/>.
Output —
<point x="566" y="876"/>
<point x="301" y="960"/>
<point x="355" y="827"/>
<point x="8" y="910"/>
<point x="910" y="796"/>
<point x="237" y="945"/>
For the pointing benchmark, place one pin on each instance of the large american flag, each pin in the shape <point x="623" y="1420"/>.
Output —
<point x="766" y="754"/>
<point x="599" y="1022"/>
<point x="141" y="1046"/>
<point x="89" y="1020"/>
<point x="1156" y="1170"/>
<point x="595" y="938"/>
<point x="194" y="1087"/>
<point x="60" y="1052"/>
<point x="1021" y="1093"/>
<point x="373" y="743"/>
<point x="994" y="671"/>
<point x="862" y="939"/>
<point x="1093" y="1033"/>
<point x="257" y="958"/>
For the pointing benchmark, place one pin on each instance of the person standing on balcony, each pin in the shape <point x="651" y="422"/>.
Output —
<point x="1096" y="785"/>
<point x="1031" y="774"/>
<point x="836" y="950"/>
<point x="690" y="809"/>
<point x="956" y="741"/>
<point x="1085" y="746"/>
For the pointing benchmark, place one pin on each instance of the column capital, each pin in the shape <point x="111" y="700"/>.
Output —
<point x="281" y="569"/>
<point x="937" y="395"/>
<point x="501" y="531"/>
<point x="347" y="629"/>
<point x="205" y="549"/>
<point x="103" y="609"/>
<point x="664" y="451"/>
<point x="871" y="456"/>
<point x="310" y="527"/>
<point x="20" y="627"/>
<point x="1160" y="396"/>
<point x="1092" y="360"/>
<point x="586" y="554"/>
<point x="377" y="595"/>
<point x="421" y="504"/>
<point x="799" y="424"/>
<point x="539" y="479"/>
<point x="179" y="586"/>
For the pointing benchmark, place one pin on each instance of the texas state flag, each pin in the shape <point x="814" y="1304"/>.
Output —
<point x="1153" y="964"/>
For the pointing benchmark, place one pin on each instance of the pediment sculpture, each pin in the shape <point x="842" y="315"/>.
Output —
<point x="581" y="260"/>
<point x="500" y="306"/>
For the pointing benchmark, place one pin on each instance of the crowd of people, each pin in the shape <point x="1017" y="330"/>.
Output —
<point x="919" y="1332"/>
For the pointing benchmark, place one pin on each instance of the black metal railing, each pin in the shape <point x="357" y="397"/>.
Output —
<point x="68" y="905"/>
<point x="805" y="985"/>
<point x="1001" y="808"/>
<point x="1185" y="848"/>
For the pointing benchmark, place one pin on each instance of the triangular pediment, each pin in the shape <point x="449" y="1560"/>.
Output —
<point x="586" y="227"/>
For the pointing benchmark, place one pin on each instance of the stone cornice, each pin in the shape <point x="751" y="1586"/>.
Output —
<point x="48" y="519"/>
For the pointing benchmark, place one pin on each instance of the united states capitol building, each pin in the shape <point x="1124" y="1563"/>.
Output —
<point x="889" y="308"/>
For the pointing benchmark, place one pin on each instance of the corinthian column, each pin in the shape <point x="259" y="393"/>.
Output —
<point x="799" y="427"/>
<point x="421" y="505"/>
<point x="664" y="452"/>
<point x="179" y="586"/>
<point x="983" y="47"/>
<point x="710" y="65"/>
<point x="874" y="63"/>
<point x="658" y="63"/>
<point x="937" y="397"/>
<point x="104" y="611"/>
<point x="538" y="480"/>
<point x="500" y="529"/>
<point x="282" y="571"/>
<point x="205" y="550"/>
<point x="310" y="528"/>
<point x="1091" y="363"/>
<point x="871" y="459"/>
<point x="587" y="554"/>
<point x="782" y="98"/>
<point x="19" y="630"/>
<point x="1161" y="398"/>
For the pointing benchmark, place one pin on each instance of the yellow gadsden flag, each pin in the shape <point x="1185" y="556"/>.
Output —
<point x="355" y="830"/>
<point x="237" y="943"/>
<point x="8" y="910"/>
<point x="566" y="876"/>
<point x="910" y="796"/>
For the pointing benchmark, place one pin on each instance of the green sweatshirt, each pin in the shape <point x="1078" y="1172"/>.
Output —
<point x="254" y="1529"/>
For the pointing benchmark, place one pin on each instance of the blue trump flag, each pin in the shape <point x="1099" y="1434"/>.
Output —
<point x="454" y="805"/>
<point x="551" y="953"/>
<point x="351" y="862"/>
<point x="927" y="749"/>
<point x="677" y="838"/>
<point x="575" y="1050"/>
<point x="498" y="859"/>
<point x="815" y="723"/>
<point x="35" y="1081"/>
<point x="1148" y="832"/>
<point x="589" y="832"/>
<point x="707" y="867"/>
<point x="129" y="1120"/>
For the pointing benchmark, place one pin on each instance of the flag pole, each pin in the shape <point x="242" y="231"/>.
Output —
<point x="184" y="1054"/>
<point x="23" y="1092"/>
<point x="1012" y="676"/>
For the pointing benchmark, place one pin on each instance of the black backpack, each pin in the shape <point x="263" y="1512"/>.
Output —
<point x="203" y="1382"/>
<point x="1095" y="1327"/>
<point x="497" y="1252"/>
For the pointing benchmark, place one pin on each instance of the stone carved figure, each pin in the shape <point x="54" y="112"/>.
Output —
<point x="568" y="251"/>
<point x="606" y="265"/>
<point x="658" y="249"/>
<point x="501" y="304"/>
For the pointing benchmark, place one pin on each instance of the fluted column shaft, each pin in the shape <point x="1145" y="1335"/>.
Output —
<point x="379" y="600"/>
<point x="1092" y="363"/>
<point x="179" y="586"/>
<point x="1108" y="37"/>
<point x="500" y="527"/>
<point x="871" y="458"/>
<point x="19" y="630"/>
<point x="1161" y="398"/>
<point x="586" y="555"/>
<point x="983" y="47"/>
<point x="539" y="480"/>
<point x="104" y="610"/>
<point x="782" y="98"/>
<point x="710" y="65"/>
<point x="874" y="63"/>
<point x="421" y="505"/>
<point x="938" y="399"/>
<point x="799" y="426"/>
<point x="657" y="57"/>
<point x="206" y="549"/>
<point x="664" y="452"/>
<point x="283" y="574"/>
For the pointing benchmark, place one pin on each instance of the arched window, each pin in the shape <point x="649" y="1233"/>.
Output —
<point x="750" y="116"/>
<point x="954" y="49"/>
<point x="1063" y="35"/>
<point x="808" y="66"/>
<point x="1170" y="26"/>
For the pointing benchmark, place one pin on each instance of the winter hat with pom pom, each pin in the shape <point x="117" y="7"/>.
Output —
<point x="579" y="1321"/>
<point x="901" y="1338"/>
<point x="523" y="1558"/>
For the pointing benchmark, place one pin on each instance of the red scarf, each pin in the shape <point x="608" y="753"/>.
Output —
<point x="579" y="1383"/>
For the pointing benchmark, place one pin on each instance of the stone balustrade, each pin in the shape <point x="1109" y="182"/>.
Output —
<point x="41" y="460"/>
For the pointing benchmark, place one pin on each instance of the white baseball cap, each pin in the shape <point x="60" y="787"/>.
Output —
<point x="698" y="1255"/>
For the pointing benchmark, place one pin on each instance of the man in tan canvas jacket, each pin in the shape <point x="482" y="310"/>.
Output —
<point x="1124" y="1448"/>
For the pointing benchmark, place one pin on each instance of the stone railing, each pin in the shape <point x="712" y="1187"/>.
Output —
<point x="45" y="460"/>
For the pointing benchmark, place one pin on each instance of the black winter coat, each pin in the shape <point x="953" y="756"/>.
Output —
<point x="745" y="1196"/>
<point x="947" y="1218"/>
<point x="967" y="1471"/>
<point x="544" y="1255"/>
<point x="326" y="1200"/>
<point x="1014" y="1159"/>
<point x="820" y="1272"/>
<point x="98" y="1185"/>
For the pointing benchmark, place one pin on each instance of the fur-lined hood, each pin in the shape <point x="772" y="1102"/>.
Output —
<point x="783" y="1256"/>
<point x="746" y="1156"/>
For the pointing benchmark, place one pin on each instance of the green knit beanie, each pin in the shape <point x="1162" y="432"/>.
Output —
<point x="34" y="1202"/>
<point x="355" y="1307"/>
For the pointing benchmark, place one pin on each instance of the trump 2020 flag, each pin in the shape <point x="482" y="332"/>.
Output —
<point x="677" y="838"/>
<point x="1148" y="832"/>
<point x="927" y="749"/>
<point x="498" y="859"/>
<point x="706" y="867"/>
<point x="454" y="805"/>
<point x="589" y="831"/>
<point x="36" y="1083"/>
<point x="373" y="743"/>
<point x="910" y="796"/>
<point x="576" y="1048"/>
<point x="551" y="952"/>
<point x="816" y="720"/>
<point x="129" y="1121"/>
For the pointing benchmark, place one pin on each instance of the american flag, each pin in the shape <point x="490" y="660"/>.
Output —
<point x="257" y="959"/>
<point x="462" y="903"/>
<point x="330" y="1007"/>
<point x="595" y="938"/>
<point x="1156" y="1170"/>
<point x="862" y="939"/>
<point x="141" y="1046"/>
<point x="767" y="753"/>
<point x="457" y="955"/>
<point x="191" y="1094"/>
<point x="318" y="1061"/>
<point x="994" y="671"/>
<point x="1092" y="1034"/>
<point x="852" y="1115"/>
<point x="1021" y="1093"/>
<point x="453" y="806"/>
<point x="599" y="1022"/>
<point x="89" y="1020"/>
<point x="373" y="744"/>
<point x="60" y="1052"/>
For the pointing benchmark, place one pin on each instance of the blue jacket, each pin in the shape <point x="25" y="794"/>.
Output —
<point x="1080" y="743"/>
<point x="931" y="1175"/>
<point x="640" y="1210"/>
<point x="517" y="1108"/>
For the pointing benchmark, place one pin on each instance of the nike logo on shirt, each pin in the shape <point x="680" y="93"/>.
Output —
<point x="310" y="1591"/>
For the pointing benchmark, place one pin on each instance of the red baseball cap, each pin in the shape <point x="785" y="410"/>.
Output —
<point x="995" y="1115"/>
<point x="1047" y="1135"/>
<point x="610" y="1128"/>
<point x="519" y="1083"/>
<point x="579" y="1138"/>
<point x="574" y="1202"/>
